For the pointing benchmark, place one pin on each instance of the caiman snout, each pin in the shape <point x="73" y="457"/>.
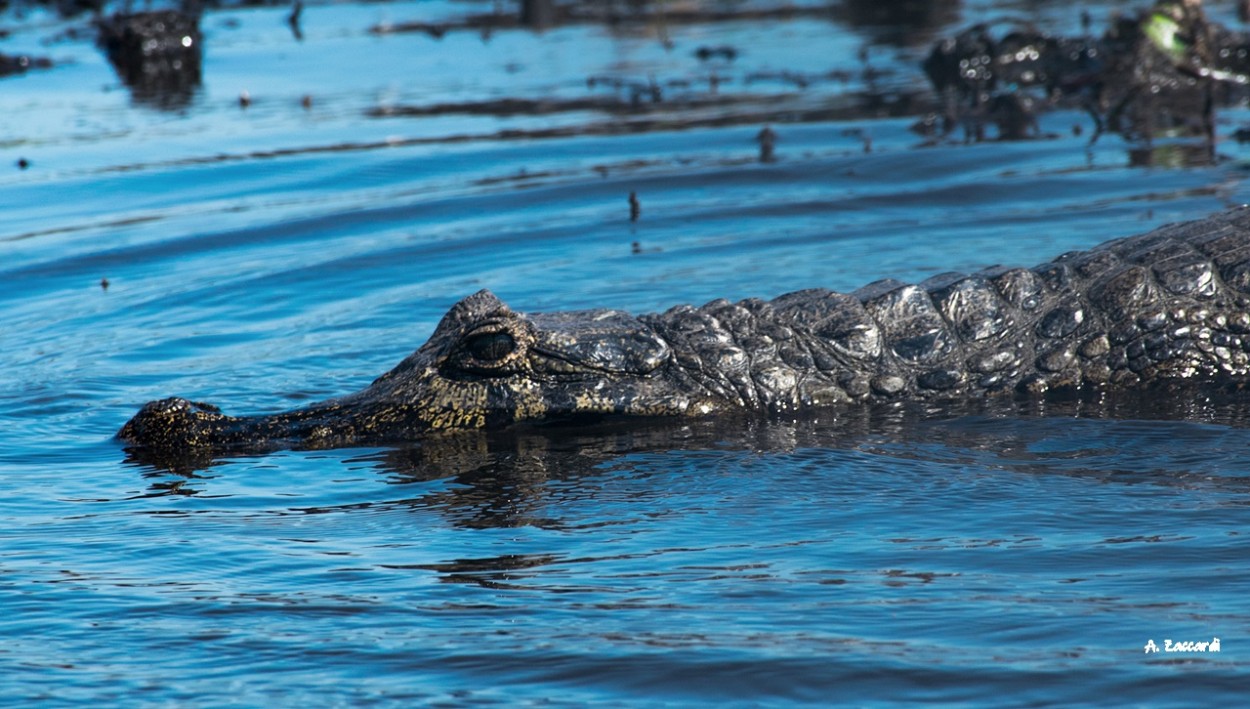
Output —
<point x="173" y="424"/>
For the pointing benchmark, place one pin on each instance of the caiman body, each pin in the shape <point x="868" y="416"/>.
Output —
<point x="1170" y="306"/>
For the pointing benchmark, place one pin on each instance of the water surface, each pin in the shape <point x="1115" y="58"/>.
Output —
<point x="267" y="256"/>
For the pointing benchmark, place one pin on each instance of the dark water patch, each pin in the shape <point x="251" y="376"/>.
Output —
<point x="609" y="14"/>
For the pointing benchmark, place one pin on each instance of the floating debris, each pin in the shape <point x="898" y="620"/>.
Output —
<point x="293" y="20"/>
<point x="767" y="138"/>
<point x="21" y="63"/>
<point x="708" y="53"/>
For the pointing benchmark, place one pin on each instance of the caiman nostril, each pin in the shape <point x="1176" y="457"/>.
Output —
<point x="171" y="423"/>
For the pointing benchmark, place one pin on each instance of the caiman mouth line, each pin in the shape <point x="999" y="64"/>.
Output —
<point x="586" y="368"/>
<point x="1166" y="309"/>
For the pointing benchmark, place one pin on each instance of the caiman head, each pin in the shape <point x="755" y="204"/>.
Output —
<point x="484" y="366"/>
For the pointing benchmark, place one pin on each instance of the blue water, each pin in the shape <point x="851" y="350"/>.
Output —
<point x="263" y="257"/>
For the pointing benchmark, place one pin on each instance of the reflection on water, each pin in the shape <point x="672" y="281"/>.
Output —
<point x="506" y="478"/>
<point x="1000" y="542"/>
<point x="157" y="55"/>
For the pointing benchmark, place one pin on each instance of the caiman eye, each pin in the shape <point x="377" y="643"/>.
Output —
<point x="490" y="349"/>
<point x="489" y="346"/>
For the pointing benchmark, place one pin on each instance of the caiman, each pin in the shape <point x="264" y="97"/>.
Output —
<point x="1170" y="308"/>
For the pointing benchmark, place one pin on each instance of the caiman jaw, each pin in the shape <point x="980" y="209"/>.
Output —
<point x="176" y="424"/>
